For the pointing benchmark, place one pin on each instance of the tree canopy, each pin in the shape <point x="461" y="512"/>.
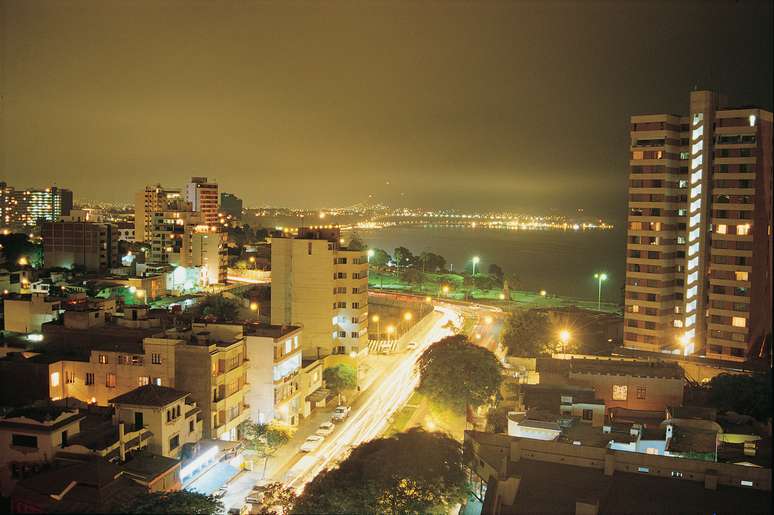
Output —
<point x="528" y="334"/>
<point x="277" y="498"/>
<point x="17" y="245"/>
<point x="216" y="307"/>
<point x="265" y="439"/>
<point x="746" y="395"/>
<point x="340" y="377"/>
<point x="380" y="258"/>
<point x="455" y="373"/>
<point x="413" y="472"/>
<point x="181" y="501"/>
<point x="403" y="256"/>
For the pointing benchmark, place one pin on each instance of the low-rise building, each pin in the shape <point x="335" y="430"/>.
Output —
<point x="275" y="361"/>
<point x="169" y="414"/>
<point x="511" y="475"/>
<point x="31" y="437"/>
<point x="26" y="313"/>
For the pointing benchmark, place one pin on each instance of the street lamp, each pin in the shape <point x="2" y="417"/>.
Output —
<point x="476" y="261"/>
<point x="488" y="320"/>
<point x="543" y="293"/>
<point x="428" y="299"/>
<point x="390" y="330"/>
<point x="407" y="316"/>
<point x="685" y="341"/>
<point x="600" y="278"/>
<point x="564" y="337"/>
<point x="375" y="318"/>
<point x="369" y="255"/>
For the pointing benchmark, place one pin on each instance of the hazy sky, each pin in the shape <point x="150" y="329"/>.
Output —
<point x="509" y="105"/>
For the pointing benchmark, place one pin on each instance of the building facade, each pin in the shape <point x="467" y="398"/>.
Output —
<point x="699" y="251"/>
<point x="231" y="205"/>
<point x="322" y="286"/>
<point x="154" y="199"/>
<point x="275" y="362"/>
<point x="92" y="246"/>
<point x="203" y="197"/>
<point x="28" y="207"/>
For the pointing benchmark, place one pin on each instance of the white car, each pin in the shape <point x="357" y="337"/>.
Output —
<point x="325" y="429"/>
<point x="340" y="413"/>
<point x="312" y="443"/>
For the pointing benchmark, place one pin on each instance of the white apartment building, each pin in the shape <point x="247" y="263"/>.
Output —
<point x="322" y="286"/>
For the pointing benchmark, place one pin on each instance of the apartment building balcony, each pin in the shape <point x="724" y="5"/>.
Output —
<point x="728" y="313"/>
<point x="219" y="399"/>
<point x="729" y="282"/>
<point x="727" y="328"/>
<point x="736" y="160"/>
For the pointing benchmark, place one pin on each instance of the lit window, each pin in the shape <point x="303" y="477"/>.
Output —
<point x="741" y="276"/>
<point x="638" y="154"/>
<point x="620" y="392"/>
<point x="55" y="379"/>
<point x="738" y="322"/>
<point x="743" y="230"/>
<point x="635" y="308"/>
<point x="721" y="229"/>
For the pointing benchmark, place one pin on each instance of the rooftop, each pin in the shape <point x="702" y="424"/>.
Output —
<point x="651" y="368"/>
<point x="148" y="466"/>
<point x="150" y="395"/>
<point x="268" y="330"/>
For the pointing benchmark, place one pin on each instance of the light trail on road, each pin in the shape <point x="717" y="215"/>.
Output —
<point x="390" y="394"/>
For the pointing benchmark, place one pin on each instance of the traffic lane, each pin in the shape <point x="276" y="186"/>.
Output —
<point x="371" y="417"/>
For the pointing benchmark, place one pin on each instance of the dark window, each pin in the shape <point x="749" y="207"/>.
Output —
<point x="588" y="414"/>
<point x="174" y="442"/>
<point x="641" y="391"/>
<point x="24" y="441"/>
<point x="190" y="426"/>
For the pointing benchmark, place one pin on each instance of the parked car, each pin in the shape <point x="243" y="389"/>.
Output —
<point x="312" y="443"/>
<point x="340" y="413"/>
<point x="325" y="429"/>
<point x="411" y="345"/>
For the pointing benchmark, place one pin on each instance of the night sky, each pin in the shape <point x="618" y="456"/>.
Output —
<point x="517" y="105"/>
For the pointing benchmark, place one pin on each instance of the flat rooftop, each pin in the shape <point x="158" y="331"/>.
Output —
<point x="653" y="368"/>
<point x="269" y="331"/>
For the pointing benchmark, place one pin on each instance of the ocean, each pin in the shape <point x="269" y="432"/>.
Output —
<point x="560" y="262"/>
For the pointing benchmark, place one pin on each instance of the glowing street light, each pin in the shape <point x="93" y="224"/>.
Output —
<point x="254" y="306"/>
<point x="600" y="278"/>
<point x="407" y="316"/>
<point x="445" y="290"/>
<point x="564" y="337"/>
<point x="488" y="320"/>
<point x="23" y="261"/>
<point x="375" y="318"/>
<point x="476" y="261"/>
<point x="685" y="341"/>
<point x="390" y="330"/>
<point x="370" y="254"/>
<point x="502" y="296"/>
<point x="428" y="299"/>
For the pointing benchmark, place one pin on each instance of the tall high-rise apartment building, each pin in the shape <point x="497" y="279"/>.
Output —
<point x="321" y="285"/>
<point x="28" y="207"/>
<point x="154" y="199"/>
<point x="203" y="197"/>
<point x="699" y="248"/>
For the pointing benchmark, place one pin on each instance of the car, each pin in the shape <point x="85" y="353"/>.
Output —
<point x="340" y="413"/>
<point x="325" y="429"/>
<point x="411" y="345"/>
<point x="312" y="443"/>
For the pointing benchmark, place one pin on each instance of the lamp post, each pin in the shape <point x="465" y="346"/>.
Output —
<point x="390" y="330"/>
<point x="600" y="278"/>
<point x="407" y="316"/>
<point x="476" y="261"/>
<point x="445" y="290"/>
<point x="369" y="255"/>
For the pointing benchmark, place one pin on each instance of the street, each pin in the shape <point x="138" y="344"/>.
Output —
<point x="391" y="385"/>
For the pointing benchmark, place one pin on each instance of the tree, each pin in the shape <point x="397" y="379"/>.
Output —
<point x="15" y="246"/>
<point x="746" y="395"/>
<point x="432" y="262"/>
<point x="411" y="472"/>
<point x="355" y="243"/>
<point x="265" y="440"/>
<point x="403" y="256"/>
<point x="339" y="378"/>
<point x="216" y="307"/>
<point x="412" y="276"/>
<point x="277" y="498"/>
<point x="497" y="272"/>
<point x="485" y="282"/>
<point x="380" y="258"/>
<point x="181" y="501"/>
<point x="456" y="373"/>
<point x="528" y="334"/>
